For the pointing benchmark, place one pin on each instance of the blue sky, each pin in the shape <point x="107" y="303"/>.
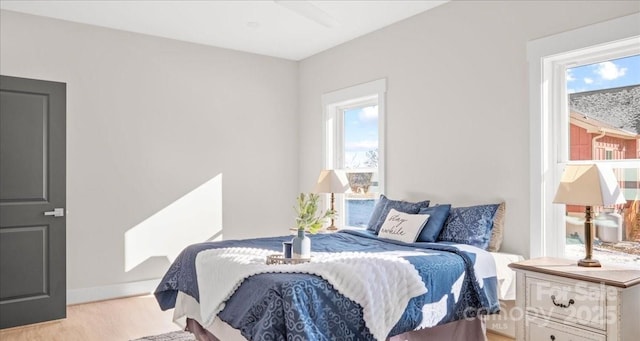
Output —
<point x="610" y="74"/>
<point x="360" y="134"/>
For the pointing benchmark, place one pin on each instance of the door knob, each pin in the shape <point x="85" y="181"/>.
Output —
<point x="57" y="212"/>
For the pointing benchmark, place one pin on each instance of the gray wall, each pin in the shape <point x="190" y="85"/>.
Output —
<point x="457" y="121"/>
<point x="149" y="121"/>
<point x="154" y="123"/>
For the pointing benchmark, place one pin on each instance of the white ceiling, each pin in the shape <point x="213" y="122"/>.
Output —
<point x="286" y="29"/>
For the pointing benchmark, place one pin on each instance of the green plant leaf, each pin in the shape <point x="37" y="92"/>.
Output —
<point x="308" y="217"/>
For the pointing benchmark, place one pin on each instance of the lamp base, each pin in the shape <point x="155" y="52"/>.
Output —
<point x="591" y="263"/>
<point x="332" y="228"/>
<point x="588" y="242"/>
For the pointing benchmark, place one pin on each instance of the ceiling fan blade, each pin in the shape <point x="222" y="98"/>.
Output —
<point x="311" y="12"/>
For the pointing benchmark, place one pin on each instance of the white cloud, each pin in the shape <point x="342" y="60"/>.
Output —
<point x="610" y="71"/>
<point x="369" y="113"/>
<point x="588" y="80"/>
<point x="364" y="145"/>
<point x="570" y="77"/>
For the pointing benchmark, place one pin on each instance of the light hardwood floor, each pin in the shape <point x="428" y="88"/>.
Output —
<point x="118" y="320"/>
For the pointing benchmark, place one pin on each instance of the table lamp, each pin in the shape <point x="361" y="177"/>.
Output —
<point x="332" y="181"/>
<point x="588" y="185"/>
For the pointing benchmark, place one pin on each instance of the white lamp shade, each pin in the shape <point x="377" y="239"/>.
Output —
<point x="589" y="185"/>
<point x="331" y="181"/>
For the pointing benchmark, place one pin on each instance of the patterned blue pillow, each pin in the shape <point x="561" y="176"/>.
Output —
<point x="437" y="217"/>
<point x="385" y="205"/>
<point x="469" y="225"/>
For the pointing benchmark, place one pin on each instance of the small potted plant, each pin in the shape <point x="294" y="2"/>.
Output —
<point x="309" y="218"/>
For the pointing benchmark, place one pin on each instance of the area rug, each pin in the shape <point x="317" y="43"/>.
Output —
<point x="172" y="336"/>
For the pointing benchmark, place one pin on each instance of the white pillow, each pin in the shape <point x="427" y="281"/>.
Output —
<point x="403" y="227"/>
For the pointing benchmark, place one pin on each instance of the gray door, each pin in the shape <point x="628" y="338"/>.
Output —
<point x="32" y="187"/>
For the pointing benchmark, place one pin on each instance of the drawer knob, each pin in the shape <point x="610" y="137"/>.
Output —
<point x="553" y="299"/>
<point x="552" y="337"/>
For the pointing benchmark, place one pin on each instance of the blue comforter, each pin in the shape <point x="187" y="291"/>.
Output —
<point x="306" y="307"/>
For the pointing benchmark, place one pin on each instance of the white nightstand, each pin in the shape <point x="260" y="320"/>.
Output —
<point x="560" y="301"/>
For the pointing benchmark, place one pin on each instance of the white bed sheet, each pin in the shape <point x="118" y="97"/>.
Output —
<point x="506" y="276"/>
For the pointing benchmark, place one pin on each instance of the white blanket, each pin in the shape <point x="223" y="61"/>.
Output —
<point x="381" y="283"/>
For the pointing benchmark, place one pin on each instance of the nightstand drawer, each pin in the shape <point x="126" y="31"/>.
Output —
<point x="540" y="330"/>
<point x="595" y="304"/>
<point x="577" y="302"/>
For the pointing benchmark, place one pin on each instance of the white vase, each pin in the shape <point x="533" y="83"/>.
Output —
<point x="301" y="246"/>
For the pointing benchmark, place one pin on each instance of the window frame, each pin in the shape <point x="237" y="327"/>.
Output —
<point x="549" y="120"/>
<point x="334" y="103"/>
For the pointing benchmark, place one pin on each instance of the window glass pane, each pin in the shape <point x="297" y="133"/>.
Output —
<point x="361" y="137"/>
<point x="604" y="109"/>
<point x="616" y="228"/>
<point x="360" y="155"/>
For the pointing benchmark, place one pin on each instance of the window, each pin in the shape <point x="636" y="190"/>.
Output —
<point x="608" y="155"/>
<point x="583" y="112"/>
<point x="353" y="142"/>
<point x="603" y="113"/>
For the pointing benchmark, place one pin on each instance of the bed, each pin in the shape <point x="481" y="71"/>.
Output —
<point x="354" y="289"/>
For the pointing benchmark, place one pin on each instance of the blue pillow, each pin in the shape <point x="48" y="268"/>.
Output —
<point x="385" y="205"/>
<point x="375" y="215"/>
<point x="469" y="225"/>
<point x="437" y="217"/>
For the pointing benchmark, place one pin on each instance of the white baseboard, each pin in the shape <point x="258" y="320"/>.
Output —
<point x="84" y="295"/>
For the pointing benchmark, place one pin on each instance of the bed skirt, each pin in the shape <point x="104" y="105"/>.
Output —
<point x="463" y="330"/>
